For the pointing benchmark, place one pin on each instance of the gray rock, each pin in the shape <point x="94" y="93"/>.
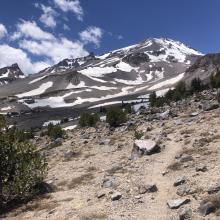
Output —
<point x="193" y="114"/>
<point x="148" y="188"/>
<point x="214" y="189"/>
<point x="186" y="158"/>
<point x="180" y="181"/>
<point x="68" y="155"/>
<point x="201" y="168"/>
<point x="185" y="214"/>
<point x="176" y="203"/>
<point x="145" y="147"/>
<point x="206" y="208"/>
<point x="116" y="196"/>
<point x="210" y="106"/>
<point x="107" y="183"/>
<point x="184" y="190"/>
<point x="105" y="142"/>
<point x="85" y="136"/>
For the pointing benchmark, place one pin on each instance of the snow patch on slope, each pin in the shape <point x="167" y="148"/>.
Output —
<point x="37" y="91"/>
<point x="36" y="80"/>
<point x="167" y="82"/>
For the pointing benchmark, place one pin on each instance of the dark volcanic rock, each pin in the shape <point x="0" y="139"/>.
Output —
<point x="136" y="58"/>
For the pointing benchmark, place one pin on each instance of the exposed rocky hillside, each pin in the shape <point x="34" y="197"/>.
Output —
<point x="10" y="73"/>
<point x="89" y="82"/>
<point x="103" y="173"/>
<point x="203" y="67"/>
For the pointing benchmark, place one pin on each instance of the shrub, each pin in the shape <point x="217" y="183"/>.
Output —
<point x="22" y="168"/>
<point x="138" y="134"/>
<point x="2" y="122"/>
<point x="88" y="120"/>
<point x="196" y="85"/>
<point x="54" y="131"/>
<point x="15" y="134"/>
<point x="128" y="108"/>
<point x="153" y="99"/>
<point x="116" y="116"/>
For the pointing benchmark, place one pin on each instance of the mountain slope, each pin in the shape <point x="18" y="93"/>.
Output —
<point x="10" y="73"/>
<point x="87" y="82"/>
<point x="203" y="68"/>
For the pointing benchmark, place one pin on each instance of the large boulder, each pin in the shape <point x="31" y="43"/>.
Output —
<point x="145" y="147"/>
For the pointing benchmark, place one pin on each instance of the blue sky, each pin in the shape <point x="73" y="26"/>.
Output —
<point x="36" y="34"/>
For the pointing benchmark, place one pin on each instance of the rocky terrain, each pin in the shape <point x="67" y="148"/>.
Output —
<point x="171" y="173"/>
<point x="11" y="73"/>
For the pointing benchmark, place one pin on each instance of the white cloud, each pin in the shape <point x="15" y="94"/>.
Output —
<point x="30" y="29"/>
<point x="10" y="55"/>
<point x="71" y="5"/>
<point x="48" y="16"/>
<point x="3" y="31"/>
<point x="56" y="50"/>
<point x="91" y="35"/>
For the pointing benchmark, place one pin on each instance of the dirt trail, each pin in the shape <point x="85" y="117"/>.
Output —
<point x="157" y="208"/>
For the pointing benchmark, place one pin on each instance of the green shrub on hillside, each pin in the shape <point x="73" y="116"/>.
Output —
<point x="54" y="131"/>
<point x="88" y="119"/>
<point x="196" y="85"/>
<point x="116" y="116"/>
<point x="22" y="168"/>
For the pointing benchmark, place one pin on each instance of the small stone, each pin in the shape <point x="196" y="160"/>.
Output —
<point x="206" y="208"/>
<point x="100" y="194"/>
<point x="193" y="114"/>
<point x="184" y="190"/>
<point x="185" y="214"/>
<point x="176" y="203"/>
<point x="149" y="188"/>
<point x="201" y="168"/>
<point x="69" y="154"/>
<point x="186" y="158"/>
<point x="214" y="189"/>
<point x="107" y="183"/>
<point x="180" y="181"/>
<point x="105" y="142"/>
<point x="116" y="196"/>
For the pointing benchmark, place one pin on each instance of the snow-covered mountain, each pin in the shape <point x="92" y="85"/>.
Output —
<point x="10" y="73"/>
<point x="87" y="82"/>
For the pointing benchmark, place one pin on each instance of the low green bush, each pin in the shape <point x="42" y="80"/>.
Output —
<point x="22" y="168"/>
<point x="138" y="134"/>
<point x="88" y="119"/>
<point x="116" y="116"/>
<point x="54" y="131"/>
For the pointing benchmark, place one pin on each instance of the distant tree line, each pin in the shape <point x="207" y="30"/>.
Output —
<point x="181" y="91"/>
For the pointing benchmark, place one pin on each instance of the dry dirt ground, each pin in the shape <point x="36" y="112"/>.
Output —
<point x="78" y="168"/>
